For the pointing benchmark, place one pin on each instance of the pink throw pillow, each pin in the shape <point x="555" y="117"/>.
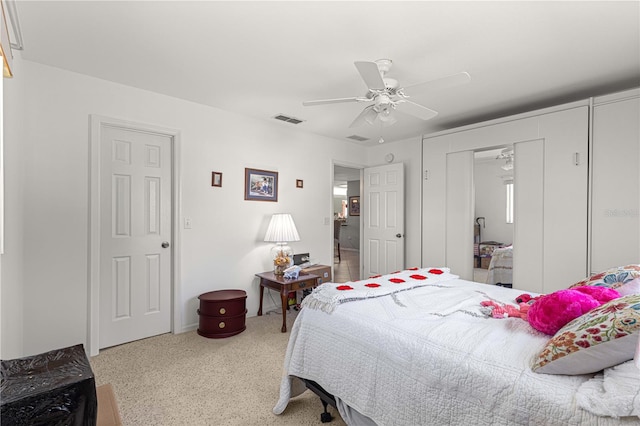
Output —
<point x="553" y="311"/>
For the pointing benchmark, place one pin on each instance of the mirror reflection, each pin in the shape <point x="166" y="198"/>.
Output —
<point x="493" y="227"/>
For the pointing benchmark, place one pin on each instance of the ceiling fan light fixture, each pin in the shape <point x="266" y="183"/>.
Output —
<point x="508" y="165"/>
<point x="383" y="116"/>
<point x="386" y="117"/>
<point x="505" y="153"/>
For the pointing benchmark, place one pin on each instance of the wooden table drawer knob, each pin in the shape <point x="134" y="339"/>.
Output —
<point x="223" y="311"/>
<point x="221" y="325"/>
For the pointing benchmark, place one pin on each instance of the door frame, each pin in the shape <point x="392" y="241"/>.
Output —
<point x="97" y="122"/>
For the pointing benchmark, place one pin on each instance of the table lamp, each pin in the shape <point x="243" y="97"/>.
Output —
<point x="281" y="230"/>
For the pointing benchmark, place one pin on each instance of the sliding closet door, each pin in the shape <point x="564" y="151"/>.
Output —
<point x="615" y="225"/>
<point x="528" y="225"/>
<point x="460" y="205"/>
<point x="551" y="196"/>
<point x="566" y="142"/>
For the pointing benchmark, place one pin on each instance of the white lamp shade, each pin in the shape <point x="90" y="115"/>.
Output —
<point x="281" y="229"/>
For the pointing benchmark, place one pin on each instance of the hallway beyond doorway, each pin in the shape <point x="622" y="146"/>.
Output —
<point x="348" y="269"/>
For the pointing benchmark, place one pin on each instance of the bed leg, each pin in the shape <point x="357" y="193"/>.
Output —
<point x="325" y="397"/>
<point x="326" y="416"/>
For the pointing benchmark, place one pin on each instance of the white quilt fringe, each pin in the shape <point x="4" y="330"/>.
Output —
<point x="328" y="296"/>
<point x="615" y="392"/>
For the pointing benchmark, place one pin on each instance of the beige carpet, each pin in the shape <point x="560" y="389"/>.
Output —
<point x="186" y="379"/>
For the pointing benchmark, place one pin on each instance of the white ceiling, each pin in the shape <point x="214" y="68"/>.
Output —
<point x="264" y="58"/>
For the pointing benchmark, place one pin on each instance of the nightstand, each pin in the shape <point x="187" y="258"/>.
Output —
<point x="222" y="313"/>
<point x="284" y="286"/>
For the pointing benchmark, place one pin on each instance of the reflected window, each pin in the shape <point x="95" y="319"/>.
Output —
<point x="509" y="189"/>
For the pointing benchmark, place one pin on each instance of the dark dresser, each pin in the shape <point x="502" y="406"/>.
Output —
<point x="52" y="388"/>
<point x="222" y="313"/>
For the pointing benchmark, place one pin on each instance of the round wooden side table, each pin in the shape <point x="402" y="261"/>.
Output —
<point x="222" y="313"/>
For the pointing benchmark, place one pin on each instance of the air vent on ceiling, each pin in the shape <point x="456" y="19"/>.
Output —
<point x="357" y="138"/>
<point x="288" y="119"/>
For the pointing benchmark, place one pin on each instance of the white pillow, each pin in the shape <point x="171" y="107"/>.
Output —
<point x="631" y="287"/>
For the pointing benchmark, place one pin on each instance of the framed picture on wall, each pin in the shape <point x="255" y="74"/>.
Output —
<point x="216" y="179"/>
<point x="260" y="185"/>
<point x="354" y="206"/>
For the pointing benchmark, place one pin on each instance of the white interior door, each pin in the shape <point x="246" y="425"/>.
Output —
<point x="460" y="206"/>
<point x="383" y="217"/>
<point x="135" y="235"/>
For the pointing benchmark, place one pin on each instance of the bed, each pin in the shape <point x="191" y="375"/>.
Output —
<point x="501" y="266"/>
<point x="427" y="353"/>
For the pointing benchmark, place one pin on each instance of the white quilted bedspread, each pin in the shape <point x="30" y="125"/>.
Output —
<point x="427" y="356"/>
<point x="501" y="266"/>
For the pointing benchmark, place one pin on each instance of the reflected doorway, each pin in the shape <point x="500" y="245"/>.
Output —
<point x="346" y="224"/>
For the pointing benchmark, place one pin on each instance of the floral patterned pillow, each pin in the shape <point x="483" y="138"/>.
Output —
<point x="612" y="278"/>
<point x="601" y="338"/>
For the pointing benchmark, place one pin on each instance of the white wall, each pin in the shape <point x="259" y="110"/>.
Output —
<point x="47" y="199"/>
<point x="409" y="152"/>
<point x="491" y="200"/>
<point x="15" y="150"/>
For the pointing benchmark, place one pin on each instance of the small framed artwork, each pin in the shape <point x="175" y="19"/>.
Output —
<point x="216" y="179"/>
<point x="354" y="206"/>
<point x="260" y="185"/>
<point x="299" y="183"/>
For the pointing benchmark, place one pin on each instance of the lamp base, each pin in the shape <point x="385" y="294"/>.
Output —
<point x="282" y="256"/>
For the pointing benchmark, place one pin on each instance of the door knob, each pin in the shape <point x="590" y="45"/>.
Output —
<point x="165" y="244"/>
<point x="399" y="235"/>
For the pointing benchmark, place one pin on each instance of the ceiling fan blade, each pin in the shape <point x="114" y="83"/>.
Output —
<point x="370" y="74"/>
<point x="333" y="101"/>
<point x="439" y="83"/>
<point x="367" y="113"/>
<point x="416" y="110"/>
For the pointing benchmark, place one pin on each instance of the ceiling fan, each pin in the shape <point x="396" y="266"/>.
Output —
<point x="506" y="154"/>
<point x="387" y="96"/>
